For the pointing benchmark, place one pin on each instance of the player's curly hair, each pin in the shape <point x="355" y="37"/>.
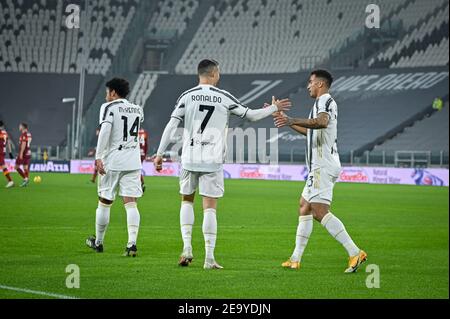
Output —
<point x="120" y="86"/>
<point x="325" y="75"/>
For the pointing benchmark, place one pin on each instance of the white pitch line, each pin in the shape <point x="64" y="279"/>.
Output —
<point x="35" y="292"/>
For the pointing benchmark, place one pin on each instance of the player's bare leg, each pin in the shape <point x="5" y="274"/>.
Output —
<point x="26" y="170"/>
<point x="186" y="223"/>
<point x="304" y="229"/>
<point x="337" y="229"/>
<point x="20" y="171"/>
<point x="210" y="231"/>
<point x="133" y="221"/>
<point x="101" y="224"/>
<point x="23" y="174"/>
<point x="7" y="176"/>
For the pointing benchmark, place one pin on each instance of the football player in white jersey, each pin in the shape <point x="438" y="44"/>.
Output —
<point x="324" y="166"/>
<point x="204" y="110"/>
<point x="118" y="161"/>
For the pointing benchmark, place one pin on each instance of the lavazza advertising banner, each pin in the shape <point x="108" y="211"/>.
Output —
<point x="371" y="175"/>
<point x="41" y="166"/>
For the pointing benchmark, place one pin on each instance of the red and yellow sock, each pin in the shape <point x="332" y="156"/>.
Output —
<point x="6" y="173"/>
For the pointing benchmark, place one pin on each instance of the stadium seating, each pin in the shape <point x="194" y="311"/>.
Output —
<point x="34" y="36"/>
<point x="425" y="45"/>
<point x="261" y="45"/>
<point x="434" y="55"/>
<point x="172" y="17"/>
<point x="143" y="88"/>
<point x="429" y="134"/>
<point x="36" y="99"/>
<point x="415" y="11"/>
<point x="363" y="118"/>
<point x="260" y="36"/>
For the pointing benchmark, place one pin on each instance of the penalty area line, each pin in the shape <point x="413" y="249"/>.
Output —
<point x="36" y="292"/>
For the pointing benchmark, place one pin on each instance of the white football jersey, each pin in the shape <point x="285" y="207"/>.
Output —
<point x="123" y="152"/>
<point x="321" y="146"/>
<point x="205" y="111"/>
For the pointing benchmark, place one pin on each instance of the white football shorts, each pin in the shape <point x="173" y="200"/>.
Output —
<point x="319" y="187"/>
<point x="128" y="183"/>
<point x="209" y="184"/>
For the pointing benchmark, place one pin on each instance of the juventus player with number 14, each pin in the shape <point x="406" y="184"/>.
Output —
<point x="324" y="167"/>
<point x="204" y="110"/>
<point x="118" y="162"/>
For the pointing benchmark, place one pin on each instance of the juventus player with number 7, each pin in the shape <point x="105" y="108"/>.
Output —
<point x="118" y="162"/>
<point x="204" y="110"/>
<point x="324" y="166"/>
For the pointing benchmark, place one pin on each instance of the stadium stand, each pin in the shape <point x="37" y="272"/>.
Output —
<point x="33" y="36"/>
<point x="261" y="45"/>
<point x="425" y="45"/>
<point x="37" y="100"/>
<point x="172" y="17"/>
<point x="429" y="134"/>
<point x="143" y="88"/>
<point x="365" y="117"/>
<point x="416" y="10"/>
<point x="260" y="36"/>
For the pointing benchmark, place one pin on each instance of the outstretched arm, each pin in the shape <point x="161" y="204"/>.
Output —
<point x="320" y="122"/>
<point x="254" y="115"/>
<point x="277" y="105"/>
<point x="299" y="129"/>
<point x="278" y="117"/>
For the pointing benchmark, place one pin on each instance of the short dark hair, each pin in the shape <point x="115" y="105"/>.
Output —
<point x="25" y="125"/>
<point x="323" y="74"/>
<point x="120" y="86"/>
<point x="1" y="123"/>
<point x="206" y="66"/>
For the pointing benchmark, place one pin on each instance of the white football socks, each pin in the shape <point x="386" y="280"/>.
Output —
<point x="101" y="222"/>
<point x="336" y="229"/>
<point x="133" y="220"/>
<point x="304" y="229"/>
<point x="209" y="232"/>
<point x="186" y="222"/>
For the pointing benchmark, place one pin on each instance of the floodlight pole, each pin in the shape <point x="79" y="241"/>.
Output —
<point x="85" y="56"/>
<point x="71" y="139"/>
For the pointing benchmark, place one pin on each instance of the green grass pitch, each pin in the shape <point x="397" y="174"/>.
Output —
<point x="404" y="229"/>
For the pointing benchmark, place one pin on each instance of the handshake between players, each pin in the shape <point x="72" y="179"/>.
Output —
<point x="280" y="106"/>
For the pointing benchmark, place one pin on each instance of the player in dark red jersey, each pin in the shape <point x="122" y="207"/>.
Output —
<point x="143" y="144"/>
<point x="24" y="156"/>
<point x="4" y="142"/>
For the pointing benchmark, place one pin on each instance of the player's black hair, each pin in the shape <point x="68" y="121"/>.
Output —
<point x="206" y="66"/>
<point x="120" y="86"/>
<point x="2" y="124"/>
<point x="323" y="74"/>
<point x="25" y="125"/>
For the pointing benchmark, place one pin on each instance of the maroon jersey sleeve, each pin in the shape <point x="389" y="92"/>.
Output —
<point x="3" y="142"/>
<point x="143" y="142"/>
